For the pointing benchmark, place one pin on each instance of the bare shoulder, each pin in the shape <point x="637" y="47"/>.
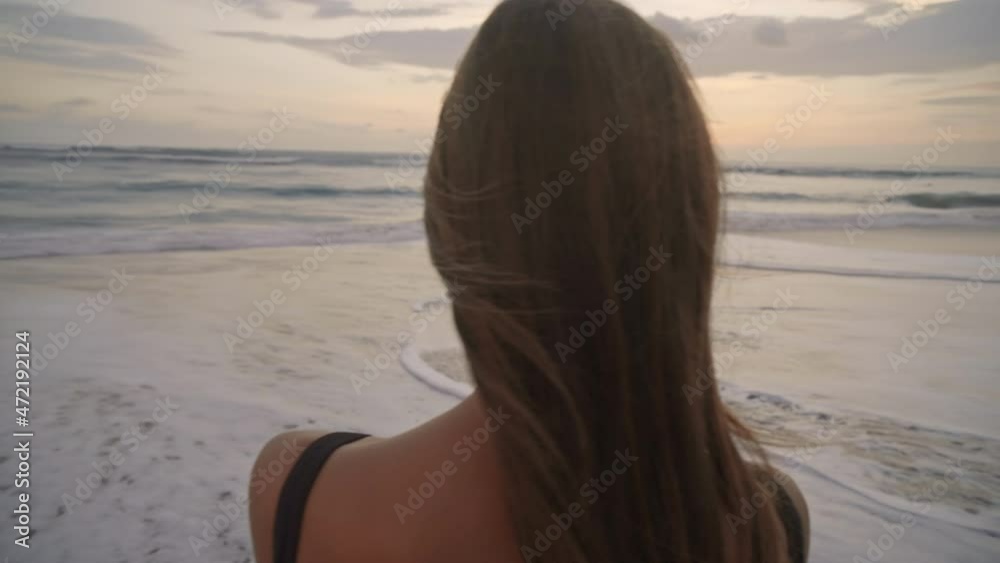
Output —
<point x="427" y="494"/>
<point x="270" y="472"/>
<point x="267" y="478"/>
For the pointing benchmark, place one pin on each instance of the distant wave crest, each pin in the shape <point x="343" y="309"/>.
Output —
<point x="837" y="172"/>
<point x="81" y="242"/>
<point x="214" y="157"/>
<point x="217" y="157"/>
<point x="952" y="201"/>
<point x="287" y="192"/>
<point x="924" y="200"/>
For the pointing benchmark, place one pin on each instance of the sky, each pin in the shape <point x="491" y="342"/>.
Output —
<point x="871" y="81"/>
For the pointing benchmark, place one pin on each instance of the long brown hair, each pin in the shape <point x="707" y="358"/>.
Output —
<point x="571" y="155"/>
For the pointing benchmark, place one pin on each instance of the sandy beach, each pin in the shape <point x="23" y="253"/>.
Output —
<point x="867" y="444"/>
<point x="162" y="338"/>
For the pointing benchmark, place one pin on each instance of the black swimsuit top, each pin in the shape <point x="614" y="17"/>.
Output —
<point x="295" y="492"/>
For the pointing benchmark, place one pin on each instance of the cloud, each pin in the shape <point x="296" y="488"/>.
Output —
<point x="78" y="42"/>
<point x="941" y="38"/>
<point x="264" y="9"/>
<point x="12" y="108"/>
<point x="430" y="48"/>
<point x="172" y="91"/>
<point x="72" y="106"/>
<point x="770" y="33"/>
<point x="424" y="78"/>
<point x="993" y="85"/>
<point x="331" y="9"/>
<point x="960" y="90"/>
<point x="963" y="101"/>
<point x="326" y="9"/>
<point x="915" y="80"/>
<point x="215" y="109"/>
<point x="79" y="29"/>
<point x="79" y="58"/>
<point x="74" y="103"/>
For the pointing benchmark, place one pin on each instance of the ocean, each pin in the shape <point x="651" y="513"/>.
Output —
<point x="855" y="329"/>
<point x="148" y="200"/>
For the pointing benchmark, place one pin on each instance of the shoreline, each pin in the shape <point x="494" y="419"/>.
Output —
<point x="162" y="337"/>
<point x="963" y="242"/>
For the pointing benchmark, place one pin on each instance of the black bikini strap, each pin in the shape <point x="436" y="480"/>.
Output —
<point x="295" y="493"/>
<point x="792" y="520"/>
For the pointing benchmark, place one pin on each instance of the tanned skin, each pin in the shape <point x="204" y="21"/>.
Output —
<point x="351" y="513"/>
